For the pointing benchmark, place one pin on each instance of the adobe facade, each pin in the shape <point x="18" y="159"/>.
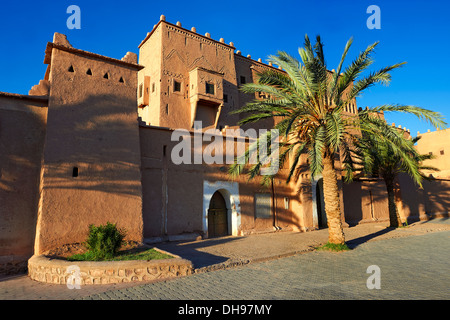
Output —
<point x="437" y="144"/>
<point x="94" y="142"/>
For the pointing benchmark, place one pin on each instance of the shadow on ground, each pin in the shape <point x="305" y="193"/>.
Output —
<point x="358" y="241"/>
<point x="193" y="251"/>
<point x="439" y="220"/>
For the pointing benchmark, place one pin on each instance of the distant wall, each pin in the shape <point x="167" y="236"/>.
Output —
<point x="22" y="133"/>
<point x="436" y="143"/>
<point x="173" y="195"/>
<point x="432" y="200"/>
<point x="365" y="201"/>
<point x="437" y="197"/>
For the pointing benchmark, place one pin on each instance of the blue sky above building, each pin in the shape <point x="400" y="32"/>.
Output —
<point x="417" y="32"/>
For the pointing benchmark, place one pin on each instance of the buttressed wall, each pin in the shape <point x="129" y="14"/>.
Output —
<point x="91" y="170"/>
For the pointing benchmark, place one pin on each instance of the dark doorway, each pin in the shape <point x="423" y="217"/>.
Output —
<point x="321" y="215"/>
<point x="217" y="216"/>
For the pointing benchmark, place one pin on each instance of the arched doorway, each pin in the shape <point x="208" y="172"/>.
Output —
<point x="321" y="215"/>
<point x="217" y="216"/>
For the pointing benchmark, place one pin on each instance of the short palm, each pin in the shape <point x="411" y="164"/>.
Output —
<point x="378" y="159"/>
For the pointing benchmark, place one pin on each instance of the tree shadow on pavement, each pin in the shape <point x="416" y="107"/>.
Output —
<point x="352" y="244"/>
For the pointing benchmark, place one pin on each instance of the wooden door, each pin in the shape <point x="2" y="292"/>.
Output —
<point x="217" y="216"/>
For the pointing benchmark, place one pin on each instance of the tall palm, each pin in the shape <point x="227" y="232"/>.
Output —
<point x="378" y="159"/>
<point x="310" y="102"/>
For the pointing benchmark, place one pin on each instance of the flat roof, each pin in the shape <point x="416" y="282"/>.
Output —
<point x="187" y="30"/>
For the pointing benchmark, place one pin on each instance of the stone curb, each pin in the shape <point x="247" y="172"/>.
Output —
<point x="57" y="271"/>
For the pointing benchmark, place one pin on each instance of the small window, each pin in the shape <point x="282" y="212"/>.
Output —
<point x="209" y="88"/>
<point x="89" y="72"/>
<point x="106" y="76"/>
<point x="75" y="172"/>
<point x="167" y="108"/>
<point x="442" y="152"/>
<point x="71" y="69"/>
<point x="121" y="80"/>
<point x="243" y="80"/>
<point x="225" y="98"/>
<point x="141" y="90"/>
<point x="176" y="86"/>
<point x="153" y="87"/>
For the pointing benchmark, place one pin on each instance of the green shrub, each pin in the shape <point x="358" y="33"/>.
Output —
<point x="144" y="254"/>
<point x="333" y="247"/>
<point x="104" y="241"/>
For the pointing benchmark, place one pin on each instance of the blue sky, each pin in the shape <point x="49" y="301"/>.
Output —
<point x="417" y="32"/>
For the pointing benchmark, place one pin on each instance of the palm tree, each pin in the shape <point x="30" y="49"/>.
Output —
<point x="378" y="159"/>
<point x="310" y="101"/>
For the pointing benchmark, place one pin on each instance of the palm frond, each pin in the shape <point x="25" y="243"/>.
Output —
<point x="381" y="76"/>
<point x="436" y="119"/>
<point x="349" y="75"/>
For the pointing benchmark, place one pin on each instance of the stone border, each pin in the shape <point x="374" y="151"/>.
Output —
<point x="58" y="271"/>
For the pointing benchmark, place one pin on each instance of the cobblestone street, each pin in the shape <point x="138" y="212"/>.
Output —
<point x="413" y="262"/>
<point x="411" y="268"/>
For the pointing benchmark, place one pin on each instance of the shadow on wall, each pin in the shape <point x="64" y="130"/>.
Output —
<point x="94" y="145"/>
<point x="365" y="200"/>
<point x="433" y="199"/>
<point x="437" y="197"/>
<point x="22" y="135"/>
<point x="298" y="190"/>
<point x="91" y="171"/>
<point x="173" y="194"/>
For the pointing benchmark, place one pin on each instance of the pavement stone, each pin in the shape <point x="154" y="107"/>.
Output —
<point x="414" y="265"/>
<point x="412" y="268"/>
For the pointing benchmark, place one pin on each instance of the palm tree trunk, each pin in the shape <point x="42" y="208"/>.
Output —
<point x="332" y="202"/>
<point x="394" y="217"/>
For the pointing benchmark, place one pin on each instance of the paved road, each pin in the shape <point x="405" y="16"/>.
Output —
<point x="415" y="267"/>
<point x="416" y="258"/>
